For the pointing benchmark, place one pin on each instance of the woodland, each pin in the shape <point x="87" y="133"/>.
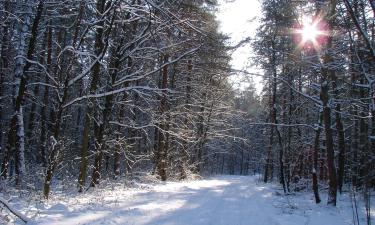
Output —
<point x="101" y="91"/>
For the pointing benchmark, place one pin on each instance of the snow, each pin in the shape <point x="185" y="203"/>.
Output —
<point x="222" y="200"/>
<point x="13" y="210"/>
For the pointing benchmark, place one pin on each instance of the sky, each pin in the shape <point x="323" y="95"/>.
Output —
<point x="240" y="19"/>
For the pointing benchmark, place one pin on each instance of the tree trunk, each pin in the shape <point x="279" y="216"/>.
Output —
<point x="275" y="121"/>
<point x="340" y="135"/>
<point x="16" y="130"/>
<point x="20" y="148"/>
<point x="315" y="160"/>
<point x="99" y="47"/>
<point x="43" y="111"/>
<point x="328" y="74"/>
<point x="162" y="151"/>
<point x="269" y="157"/>
<point x="58" y="117"/>
<point x="332" y="190"/>
<point x="99" y="135"/>
<point x="4" y="59"/>
<point x="184" y="149"/>
<point x="100" y="145"/>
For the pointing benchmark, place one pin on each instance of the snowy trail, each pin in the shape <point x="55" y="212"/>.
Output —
<point x="224" y="200"/>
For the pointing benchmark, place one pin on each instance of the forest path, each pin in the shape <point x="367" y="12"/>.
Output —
<point x="223" y="200"/>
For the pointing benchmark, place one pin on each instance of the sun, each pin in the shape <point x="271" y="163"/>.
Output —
<point x="309" y="32"/>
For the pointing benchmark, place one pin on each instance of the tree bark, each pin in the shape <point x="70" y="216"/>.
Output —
<point x="101" y="126"/>
<point x="328" y="73"/>
<point x="16" y="130"/>
<point x="99" y="47"/>
<point x="4" y="59"/>
<point x="315" y="160"/>
<point x="58" y="116"/>
<point x="332" y="191"/>
<point x="340" y="135"/>
<point x="184" y="149"/>
<point x="162" y="139"/>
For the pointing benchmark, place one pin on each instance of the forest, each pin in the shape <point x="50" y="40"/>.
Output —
<point x="97" y="93"/>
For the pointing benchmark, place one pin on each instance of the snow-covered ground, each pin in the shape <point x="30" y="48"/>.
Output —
<point x="229" y="200"/>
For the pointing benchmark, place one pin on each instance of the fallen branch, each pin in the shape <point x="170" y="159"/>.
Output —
<point x="13" y="210"/>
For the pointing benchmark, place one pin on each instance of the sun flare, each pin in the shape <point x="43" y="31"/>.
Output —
<point x="309" y="32"/>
